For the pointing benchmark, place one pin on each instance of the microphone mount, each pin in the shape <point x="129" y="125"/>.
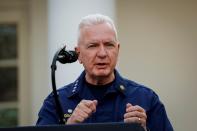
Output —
<point x="63" y="57"/>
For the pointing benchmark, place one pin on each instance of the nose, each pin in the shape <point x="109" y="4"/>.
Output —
<point x="102" y="52"/>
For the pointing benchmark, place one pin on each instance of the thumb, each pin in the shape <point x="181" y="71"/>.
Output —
<point x="95" y="102"/>
<point x="129" y="105"/>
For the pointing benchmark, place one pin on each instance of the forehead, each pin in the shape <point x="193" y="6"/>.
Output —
<point x="98" y="32"/>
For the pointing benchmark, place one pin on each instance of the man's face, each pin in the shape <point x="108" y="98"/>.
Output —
<point x="98" y="50"/>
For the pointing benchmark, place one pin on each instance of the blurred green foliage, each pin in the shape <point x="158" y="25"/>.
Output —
<point x="8" y="117"/>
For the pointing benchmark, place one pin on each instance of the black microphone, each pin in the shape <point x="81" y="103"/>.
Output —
<point x="67" y="56"/>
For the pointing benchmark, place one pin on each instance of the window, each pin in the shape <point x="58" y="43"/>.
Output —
<point x="8" y="75"/>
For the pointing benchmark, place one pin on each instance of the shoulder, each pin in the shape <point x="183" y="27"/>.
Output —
<point x="63" y="91"/>
<point x="135" y="90"/>
<point x="134" y="87"/>
<point x="141" y="94"/>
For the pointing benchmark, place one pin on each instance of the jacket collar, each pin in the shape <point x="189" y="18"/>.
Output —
<point x="79" y="88"/>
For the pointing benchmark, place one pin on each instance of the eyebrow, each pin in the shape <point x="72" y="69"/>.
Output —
<point x="95" y="41"/>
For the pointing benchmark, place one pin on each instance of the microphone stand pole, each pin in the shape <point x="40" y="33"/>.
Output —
<point x="59" y="109"/>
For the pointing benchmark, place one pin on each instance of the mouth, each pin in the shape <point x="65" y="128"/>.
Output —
<point x="101" y="65"/>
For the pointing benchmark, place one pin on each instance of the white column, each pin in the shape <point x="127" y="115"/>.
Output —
<point x="38" y="51"/>
<point x="64" y="17"/>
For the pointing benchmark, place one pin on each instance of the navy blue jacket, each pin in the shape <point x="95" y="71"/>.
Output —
<point x="113" y="105"/>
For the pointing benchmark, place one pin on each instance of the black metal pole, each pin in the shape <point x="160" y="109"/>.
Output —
<point x="59" y="109"/>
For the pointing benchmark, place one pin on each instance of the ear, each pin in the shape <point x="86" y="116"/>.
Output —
<point x="118" y="44"/>
<point x="77" y="49"/>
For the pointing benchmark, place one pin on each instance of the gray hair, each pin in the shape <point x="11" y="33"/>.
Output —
<point x="95" y="19"/>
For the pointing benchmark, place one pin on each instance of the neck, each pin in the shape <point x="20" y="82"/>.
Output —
<point x="100" y="80"/>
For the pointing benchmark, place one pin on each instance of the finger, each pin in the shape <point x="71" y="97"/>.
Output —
<point x="136" y="120"/>
<point x="129" y="105"/>
<point x="93" y="106"/>
<point x="135" y="108"/>
<point x="139" y="108"/>
<point x="95" y="102"/>
<point x="87" y="102"/>
<point x="90" y="104"/>
<point x="81" y="113"/>
<point x="78" y="119"/>
<point x="142" y="122"/>
<point x="132" y="120"/>
<point x="135" y="114"/>
<point x="83" y="107"/>
<point x="75" y="118"/>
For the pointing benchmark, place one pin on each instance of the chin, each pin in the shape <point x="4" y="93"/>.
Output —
<point x="103" y="73"/>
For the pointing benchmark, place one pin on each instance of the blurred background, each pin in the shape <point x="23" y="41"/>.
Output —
<point x="158" y="49"/>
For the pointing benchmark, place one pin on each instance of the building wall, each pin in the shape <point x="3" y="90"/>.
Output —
<point x="159" y="49"/>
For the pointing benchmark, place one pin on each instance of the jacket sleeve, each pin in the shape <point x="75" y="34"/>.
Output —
<point x="157" y="118"/>
<point x="47" y="114"/>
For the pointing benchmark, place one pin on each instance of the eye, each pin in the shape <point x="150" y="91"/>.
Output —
<point x="92" y="45"/>
<point x="110" y="44"/>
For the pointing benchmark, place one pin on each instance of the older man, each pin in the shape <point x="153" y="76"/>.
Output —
<point x="100" y="94"/>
